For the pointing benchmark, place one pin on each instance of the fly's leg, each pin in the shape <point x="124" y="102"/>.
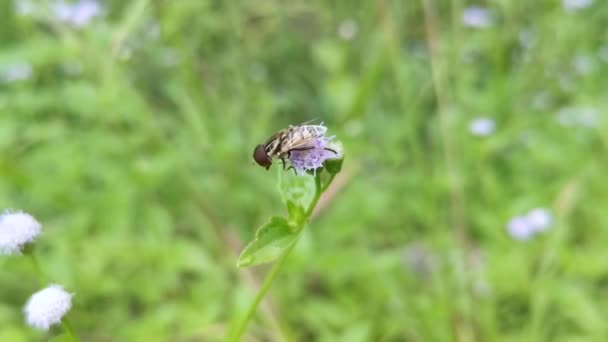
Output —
<point x="299" y="149"/>
<point x="331" y="150"/>
<point x="292" y="168"/>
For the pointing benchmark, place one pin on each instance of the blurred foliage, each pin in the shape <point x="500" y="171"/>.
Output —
<point x="130" y="139"/>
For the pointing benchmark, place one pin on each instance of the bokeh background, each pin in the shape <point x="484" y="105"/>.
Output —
<point x="471" y="206"/>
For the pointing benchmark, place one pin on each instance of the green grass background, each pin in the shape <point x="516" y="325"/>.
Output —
<point x="131" y="142"/>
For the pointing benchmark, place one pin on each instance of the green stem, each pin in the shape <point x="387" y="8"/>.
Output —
<point x="238" y="333"/>
<point x="67" y="327"/>
<point x="39" y="274"/>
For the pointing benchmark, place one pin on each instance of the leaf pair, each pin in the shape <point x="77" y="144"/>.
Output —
<point x="272" y="238"/>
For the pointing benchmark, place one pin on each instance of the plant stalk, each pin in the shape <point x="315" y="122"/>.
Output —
<point x="238" y="332"/>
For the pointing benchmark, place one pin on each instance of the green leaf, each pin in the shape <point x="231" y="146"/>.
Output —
<point x="296" y="213"/>
<point x="297" y="191"/>
<point x="270" y="241"/>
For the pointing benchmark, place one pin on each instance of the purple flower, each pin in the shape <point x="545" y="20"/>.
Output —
<point x="519" y="228"/>
<point x="78" y="14"/>
<point x="314" y="158"/>
<point x="539" y="219"/>
<point x="477" y="17"/>
<point x="482" y="127"/>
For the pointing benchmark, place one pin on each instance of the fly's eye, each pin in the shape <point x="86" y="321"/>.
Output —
<point x="261" y="157"/>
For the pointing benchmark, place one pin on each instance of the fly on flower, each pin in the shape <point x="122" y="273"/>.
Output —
<point x="299" y="140"/>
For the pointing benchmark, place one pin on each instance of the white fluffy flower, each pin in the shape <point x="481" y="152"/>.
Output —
<point x="47" y="307"/>
<point x="16" y="230"/>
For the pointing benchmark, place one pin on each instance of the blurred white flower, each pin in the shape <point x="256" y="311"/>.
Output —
<point x="347" y="29"/>
<point x="577" y="116"/>
<point x="16" y="230"/>
<point x="419" y="50"/>
<point x="47" y="307"/>
<point x="23" y="7"/>
<point x="519" y="228"/>
<point x="603" y="53"/>
<point x="527" y="38"/>
<point x="574" y="5"/>
<point x="583" y="64"/>
<point x="539" y="219"/>
<point x="71" y="68"/>
<point x="482" y="127"/>
<point x="566" y="83"/>
<point x="477" y="17"/>
<point x="78" y="13"/>
<point x="542" y="100"/>
<point x="14" y="72"/>
<point x="170" y="57"/>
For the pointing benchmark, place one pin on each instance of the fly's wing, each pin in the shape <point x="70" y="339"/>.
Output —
<point x="272" y="146"/>
<point x="307" y="123"/>
<point x="301" y="137"/>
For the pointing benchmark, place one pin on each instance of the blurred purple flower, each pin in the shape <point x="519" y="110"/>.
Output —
<point x="420" y="259"/>
<point x="477" y="17"/>
<point x="482" y="127"/>
<point x="539" y="219"/>
<point x="78" y="14"/>
<point x="520" y="229"/>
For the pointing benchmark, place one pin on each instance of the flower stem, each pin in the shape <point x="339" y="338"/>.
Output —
<point x="39" y="274"/>
<point x="67" y="327"/>
<point x="238" y="333"/>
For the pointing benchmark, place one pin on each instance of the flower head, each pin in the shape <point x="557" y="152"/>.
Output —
<point x="477" y="17"/>
<point x="524" y="227"/>
<point x="519" y="228"/>
<point x="482" y="127"/>
<point x="78" y="14"/>
<point x="347" y="29"/>
<point x="17" y="71"/>
<point x="47" y="307"/>
<point x="314" y="158"/>
<point x="539" y="219"/>
<point x="16" y="230"/>
<point x="574" y="5"/>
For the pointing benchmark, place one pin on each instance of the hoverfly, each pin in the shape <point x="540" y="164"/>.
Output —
<point x="281" y="144"/>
